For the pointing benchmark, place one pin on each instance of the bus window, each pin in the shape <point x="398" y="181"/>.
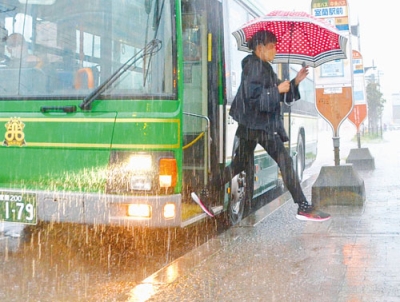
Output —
<point x="21" y="23"/>
<point x="306" y="88"/>
<point x="238" y="16"/>
<point x="135" y="76"/>
<point x="68" y="35"/>
<point x="194" y="32"/>
<point x="195" y="105"/>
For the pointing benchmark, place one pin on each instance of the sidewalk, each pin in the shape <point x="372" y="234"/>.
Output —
<point x="355" y="256"/>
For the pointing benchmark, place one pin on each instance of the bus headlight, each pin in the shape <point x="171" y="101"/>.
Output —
<point x="149" y="173"/>
<point x="140" y="167"/>
<point x="169" y="211"/>
<point x="140" y="163"/>
<point x="165" y="181"/>
<point x="145" y="211"/>
<point x="139" y="210"/>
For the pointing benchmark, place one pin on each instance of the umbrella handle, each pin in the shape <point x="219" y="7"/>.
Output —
<point x="285" y="96"/>
<point x="286" y="103"/>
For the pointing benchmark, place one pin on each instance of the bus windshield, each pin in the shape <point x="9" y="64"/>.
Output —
<point x="67" y="48"/>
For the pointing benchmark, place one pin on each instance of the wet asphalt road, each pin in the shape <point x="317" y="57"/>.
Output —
<point x="63" y="262"/>
<point x="69" y="262"/>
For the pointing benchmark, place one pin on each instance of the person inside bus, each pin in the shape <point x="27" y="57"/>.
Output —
<point x="256" y="108"/>
<point x="3" y="38"/>
<point x="17" y="47"/>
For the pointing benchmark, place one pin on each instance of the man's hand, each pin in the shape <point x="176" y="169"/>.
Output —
<point x="301" y="75"/>
<point x="284" y="87"/>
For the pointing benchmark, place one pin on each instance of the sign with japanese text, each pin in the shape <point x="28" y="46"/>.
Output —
<point x="358" y="115"/>
<point x="336" y="72"/>
<point x="359" y="112"/>
<point x="334" y="80"/>
<point x="332" y="69"/>
<point x="358" y="67"/>
<point x="333" y="11"/>
<point x="334" y="104"/>
<point x="358" y="78"/>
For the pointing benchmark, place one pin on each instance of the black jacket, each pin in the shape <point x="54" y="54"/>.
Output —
<point x="257" y="102"/>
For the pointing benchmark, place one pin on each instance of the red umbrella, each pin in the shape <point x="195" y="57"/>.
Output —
<point x="301" y="38"/>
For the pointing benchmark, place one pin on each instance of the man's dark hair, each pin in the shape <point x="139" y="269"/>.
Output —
<point x="261" y="37"/>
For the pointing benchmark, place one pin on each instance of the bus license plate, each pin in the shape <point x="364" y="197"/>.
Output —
<point x="18" y="207"/>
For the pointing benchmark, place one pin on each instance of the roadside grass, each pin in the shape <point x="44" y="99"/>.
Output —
<point x="369" y="138"/>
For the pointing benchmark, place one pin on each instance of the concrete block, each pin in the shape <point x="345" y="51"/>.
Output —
<point x="361" y="159"/>
<point x="338" y="185"/>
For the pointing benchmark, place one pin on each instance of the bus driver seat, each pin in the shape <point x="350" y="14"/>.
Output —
<point x="84" y="79"/>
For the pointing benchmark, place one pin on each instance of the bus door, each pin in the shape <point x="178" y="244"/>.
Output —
<point x="202" y="98"/>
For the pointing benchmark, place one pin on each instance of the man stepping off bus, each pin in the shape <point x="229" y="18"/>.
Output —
<point x="256" y="108"/>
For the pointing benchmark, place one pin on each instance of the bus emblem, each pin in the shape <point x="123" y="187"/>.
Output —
<point x="15" y="135"/>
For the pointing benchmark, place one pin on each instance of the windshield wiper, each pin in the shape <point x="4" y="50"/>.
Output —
<point x="156" y="25"/>
<point x="150" y="49"/>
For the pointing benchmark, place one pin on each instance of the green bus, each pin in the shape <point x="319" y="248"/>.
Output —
<point x="113" y="112"/>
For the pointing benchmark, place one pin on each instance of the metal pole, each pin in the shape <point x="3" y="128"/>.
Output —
<point x="336" y="145"/>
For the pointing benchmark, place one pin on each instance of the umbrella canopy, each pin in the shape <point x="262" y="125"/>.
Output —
<point x="301" y="38"/>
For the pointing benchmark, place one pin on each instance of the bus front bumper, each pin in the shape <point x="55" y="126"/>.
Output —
<point x="104" y="209"/>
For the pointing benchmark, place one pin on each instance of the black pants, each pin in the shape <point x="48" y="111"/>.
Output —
<point x="248" y="140"/>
